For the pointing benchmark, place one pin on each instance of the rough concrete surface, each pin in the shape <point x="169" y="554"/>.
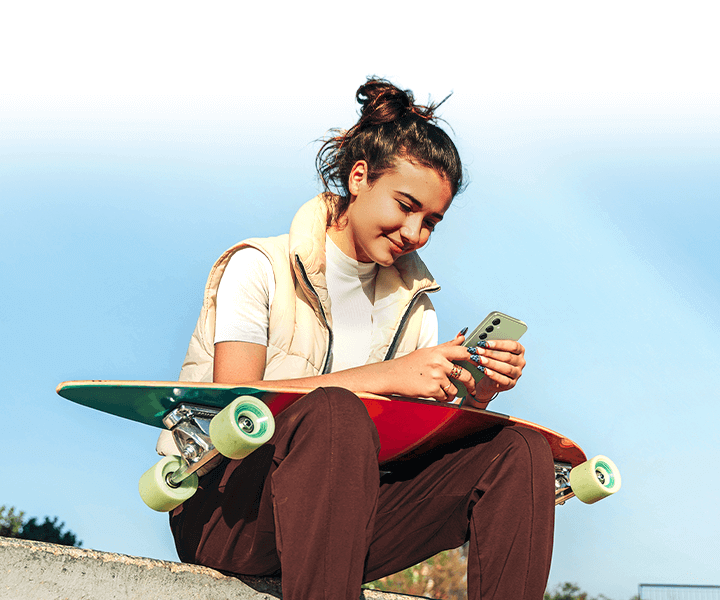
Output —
<point x="40" y="571"/>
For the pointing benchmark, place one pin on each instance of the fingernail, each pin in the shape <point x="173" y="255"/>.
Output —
<point x="483" y="344"/>
<point x="475" y="350"/>
<point x="481" y="368"/>
<point x="464" y="331"/>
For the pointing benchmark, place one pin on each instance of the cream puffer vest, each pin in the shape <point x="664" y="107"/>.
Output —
<point x="300" y="335"/>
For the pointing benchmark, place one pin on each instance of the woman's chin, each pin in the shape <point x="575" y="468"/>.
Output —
<point x="388" y="260"/>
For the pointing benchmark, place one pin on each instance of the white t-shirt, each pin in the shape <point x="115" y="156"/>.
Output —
<point x="247" y="288"/>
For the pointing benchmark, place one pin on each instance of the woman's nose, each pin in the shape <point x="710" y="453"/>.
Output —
<point x="410" y="232"/>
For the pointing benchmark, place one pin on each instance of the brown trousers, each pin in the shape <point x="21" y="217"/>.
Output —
<point x="313" y="505"/>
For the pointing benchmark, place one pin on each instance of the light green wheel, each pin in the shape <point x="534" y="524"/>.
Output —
<point x="157" y="493"/>
<point x="242" y="426"/>
<point x="595" y="479"/>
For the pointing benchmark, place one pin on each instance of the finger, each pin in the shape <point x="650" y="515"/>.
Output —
<point x="502" y="380"/>
<point x="508" y="370"/>
<point x="448" y="391"/>
<point x="499" y="355"/>
<point x="508" y="364"/>
<point x="456" y="342"/>
<point x="505" y="363"/>
<point x="455" y="352"/>
<point x="465" y="377"/>
<point x="510" y="346"/>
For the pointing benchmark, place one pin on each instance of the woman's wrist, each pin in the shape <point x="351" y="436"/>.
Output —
<point x="476" y="402"/>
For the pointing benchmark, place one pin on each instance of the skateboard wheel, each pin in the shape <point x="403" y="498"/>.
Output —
<point x="157" y="493"/>
<point x="242" y="426"/>
<point x="595" y="479"/>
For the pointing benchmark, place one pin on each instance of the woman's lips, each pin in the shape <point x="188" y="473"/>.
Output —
<point x="397" y="248"/>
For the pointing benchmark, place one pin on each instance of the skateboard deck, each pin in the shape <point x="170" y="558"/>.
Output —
<point x="407" y="427"/>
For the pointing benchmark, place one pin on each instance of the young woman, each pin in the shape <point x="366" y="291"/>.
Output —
<point x="341" y="304"/>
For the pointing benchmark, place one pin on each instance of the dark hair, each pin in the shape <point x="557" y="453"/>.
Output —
<point x="391" y="126"/>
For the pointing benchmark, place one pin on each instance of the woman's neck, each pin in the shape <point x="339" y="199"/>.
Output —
<point x="342" y="238"/>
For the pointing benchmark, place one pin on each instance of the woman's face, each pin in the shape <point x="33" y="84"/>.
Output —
<point x="393" y="216"/>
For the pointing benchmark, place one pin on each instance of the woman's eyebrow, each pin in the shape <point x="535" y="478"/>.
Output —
<point x="418" y="204"/>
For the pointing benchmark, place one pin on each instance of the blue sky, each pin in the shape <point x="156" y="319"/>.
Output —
<point x="137" y="144"/>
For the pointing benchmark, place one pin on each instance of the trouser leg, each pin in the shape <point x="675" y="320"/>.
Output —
<point x="324" y="530"/>
<point x="303" y="503"/>
<point x="497" y="491"/>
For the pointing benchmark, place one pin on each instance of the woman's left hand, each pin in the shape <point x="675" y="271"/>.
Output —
<point x="503" y="362"/>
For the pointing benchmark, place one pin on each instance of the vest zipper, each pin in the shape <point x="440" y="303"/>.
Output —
<point x="322" y="312"/>
<point x="406" y="314"/>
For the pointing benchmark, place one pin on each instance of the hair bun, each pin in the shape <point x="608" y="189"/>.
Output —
<point x="383" y="102"/>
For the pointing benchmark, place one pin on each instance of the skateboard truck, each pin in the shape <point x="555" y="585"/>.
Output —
<point x="563" y="490"/>
<point x="190" y="428"/>
<point x="201" y="435"/>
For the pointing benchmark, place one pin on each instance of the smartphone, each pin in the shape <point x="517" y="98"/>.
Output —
<point x="496" y="326"/>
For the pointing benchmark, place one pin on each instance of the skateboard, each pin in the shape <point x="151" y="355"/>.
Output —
<point x="209" y="419"/>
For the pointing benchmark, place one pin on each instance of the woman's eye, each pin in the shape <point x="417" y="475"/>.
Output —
<point x="404" y="207"/>
<point x="430" y="225"/>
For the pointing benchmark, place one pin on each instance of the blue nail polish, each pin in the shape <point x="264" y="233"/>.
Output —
<point x="472" y="350"/>
<point x="475" y="358"/>
<point x="481" y="368"/>
<point x="483" y="344"/>
<point x="464" y="331"/>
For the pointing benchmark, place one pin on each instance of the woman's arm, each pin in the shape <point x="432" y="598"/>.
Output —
<point x="244" y="363"/>
<point x="424" y="373"/>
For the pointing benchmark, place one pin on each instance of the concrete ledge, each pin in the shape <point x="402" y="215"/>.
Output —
<point x="40" y="571"/>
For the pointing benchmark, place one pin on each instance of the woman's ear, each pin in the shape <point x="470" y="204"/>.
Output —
<point x="358" y="177"/>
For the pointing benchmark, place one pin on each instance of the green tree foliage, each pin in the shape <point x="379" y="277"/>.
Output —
<point x="12" y="524"/>
<point x="444" y="577"/>
<point x="569" y="591"/>
<point x="49" y="531"/>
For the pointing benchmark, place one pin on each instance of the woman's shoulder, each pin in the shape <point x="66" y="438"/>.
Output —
<point x="247" y="258"/>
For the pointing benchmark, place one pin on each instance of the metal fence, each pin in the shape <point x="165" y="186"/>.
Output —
<point x="657" y="591"/>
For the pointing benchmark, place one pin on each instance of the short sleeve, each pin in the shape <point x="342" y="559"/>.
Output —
<point x="244" y="297"/>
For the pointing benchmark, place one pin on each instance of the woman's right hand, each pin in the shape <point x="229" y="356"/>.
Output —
<point x="431" y="372"/>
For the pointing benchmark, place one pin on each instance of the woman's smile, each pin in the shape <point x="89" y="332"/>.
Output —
<point x="398" y="248"/>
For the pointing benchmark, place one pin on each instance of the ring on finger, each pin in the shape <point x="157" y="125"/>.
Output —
<point x="455" y="373"/>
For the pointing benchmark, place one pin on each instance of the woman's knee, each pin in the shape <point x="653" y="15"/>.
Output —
<point x="340" y="411"/>
<point x="531" y="449"/>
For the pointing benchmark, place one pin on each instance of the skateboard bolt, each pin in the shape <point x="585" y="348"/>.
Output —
<point x="190" y="451"/>
<point x="246" y="424"/>
<point x="601" y="476"/>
